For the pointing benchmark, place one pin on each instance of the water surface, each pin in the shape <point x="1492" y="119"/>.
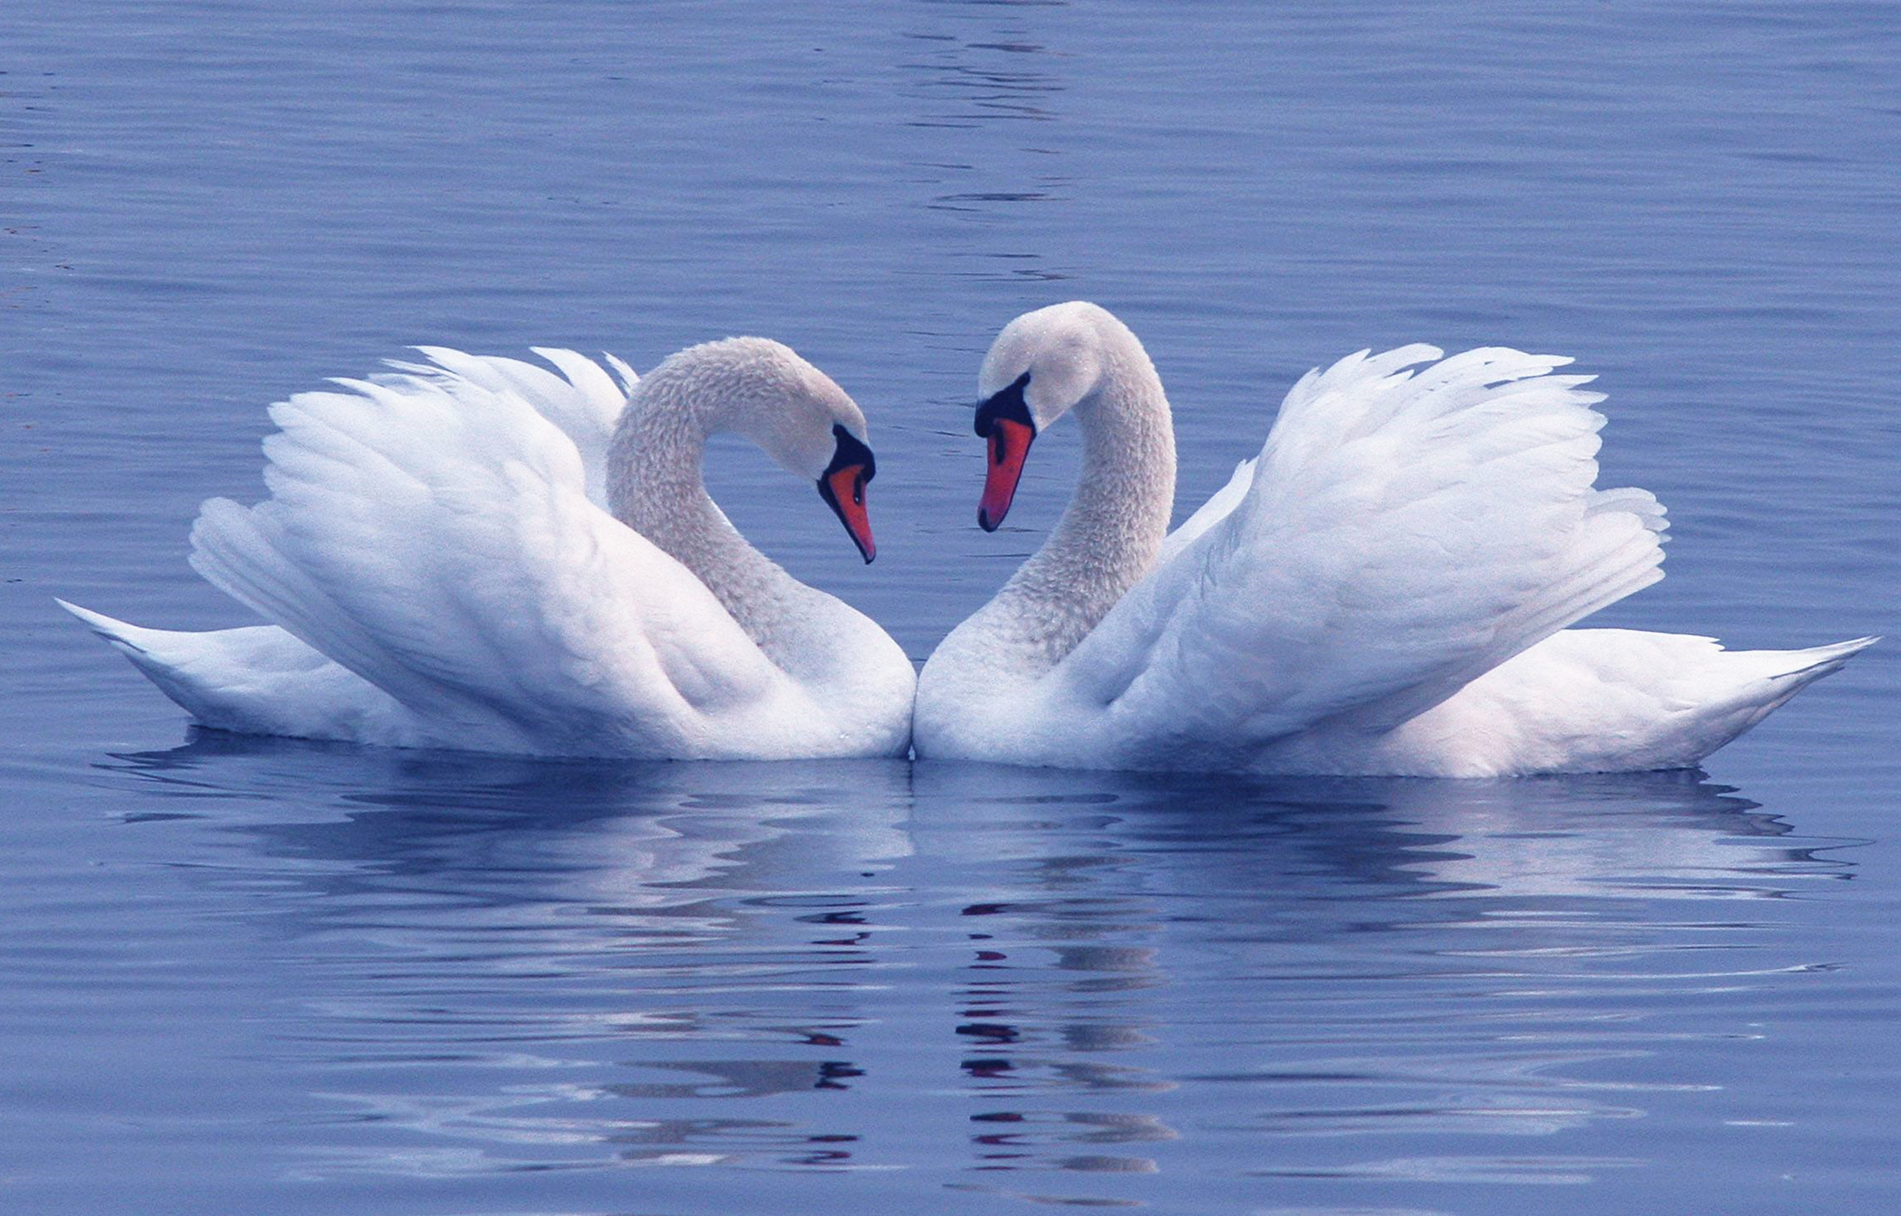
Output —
<point x="251" y="975"/>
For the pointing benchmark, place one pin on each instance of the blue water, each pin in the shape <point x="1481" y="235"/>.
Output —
<point x="242" y="976"/>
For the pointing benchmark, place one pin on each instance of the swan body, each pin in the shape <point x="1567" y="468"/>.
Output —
<point x="477" y="553"/>
<point x="1383" y="590"/>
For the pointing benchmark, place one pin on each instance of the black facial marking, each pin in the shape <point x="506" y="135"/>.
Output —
<point x="850" y="452"/>
<point x="852" y="455"/>
<point x="1006" y="403"/>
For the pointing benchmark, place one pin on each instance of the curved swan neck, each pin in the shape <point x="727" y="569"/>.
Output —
<point x="657" y="487"/>
<point x="1108" y="538"/>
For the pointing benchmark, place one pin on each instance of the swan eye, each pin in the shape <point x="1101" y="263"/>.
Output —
<point x="849" y="451"/>
<point x="1006" y="404"/>
<point x="842" y="486"/>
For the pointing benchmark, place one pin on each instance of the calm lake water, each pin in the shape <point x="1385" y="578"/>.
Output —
<point x="242" y="976"/>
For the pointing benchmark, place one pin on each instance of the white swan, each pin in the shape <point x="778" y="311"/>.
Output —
<point x="480" y="554"/>
<point x="1383" y="590"/>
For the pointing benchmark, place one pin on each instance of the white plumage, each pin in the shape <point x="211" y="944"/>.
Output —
<point x="441" y="569"/>
<point x="1380" y="591"/>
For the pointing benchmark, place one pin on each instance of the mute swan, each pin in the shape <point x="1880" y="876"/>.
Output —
<point x="1384" y="590"/>
<point x="443" y="570"/>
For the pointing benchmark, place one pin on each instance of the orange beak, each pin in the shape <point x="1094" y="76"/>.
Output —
<point x="1009" y="446"/>
<point x="843" y="489"/>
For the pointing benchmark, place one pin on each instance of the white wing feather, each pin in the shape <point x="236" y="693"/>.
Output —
<point x="1400" y="533"/>
<point x="584" y="401"/>
<point x="433" y="532"/>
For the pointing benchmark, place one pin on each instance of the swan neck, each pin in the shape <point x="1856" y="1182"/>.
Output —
<point x="656" y="485"/>
<point x="1109" y="537"/>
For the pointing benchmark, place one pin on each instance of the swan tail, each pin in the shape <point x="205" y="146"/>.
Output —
<point x="1771" y="677"/>
<point x="255" y="679"/>
<point x="1607" y="700"/>
<point x="1719" y="694"/>
<point x="168" y="659"/>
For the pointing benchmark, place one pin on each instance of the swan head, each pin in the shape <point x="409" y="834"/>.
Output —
<point x="811" y="427"/>
<point x="1043" y="364"/>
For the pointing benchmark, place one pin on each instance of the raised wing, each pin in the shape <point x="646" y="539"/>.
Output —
<point x="584" y="400"/>
<point x="434" y="533"/>
<point x="1401" y="532"/>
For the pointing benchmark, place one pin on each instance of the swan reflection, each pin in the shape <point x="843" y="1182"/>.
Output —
<point x="1311" y="964"/>
<point x="494" y="965"/>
